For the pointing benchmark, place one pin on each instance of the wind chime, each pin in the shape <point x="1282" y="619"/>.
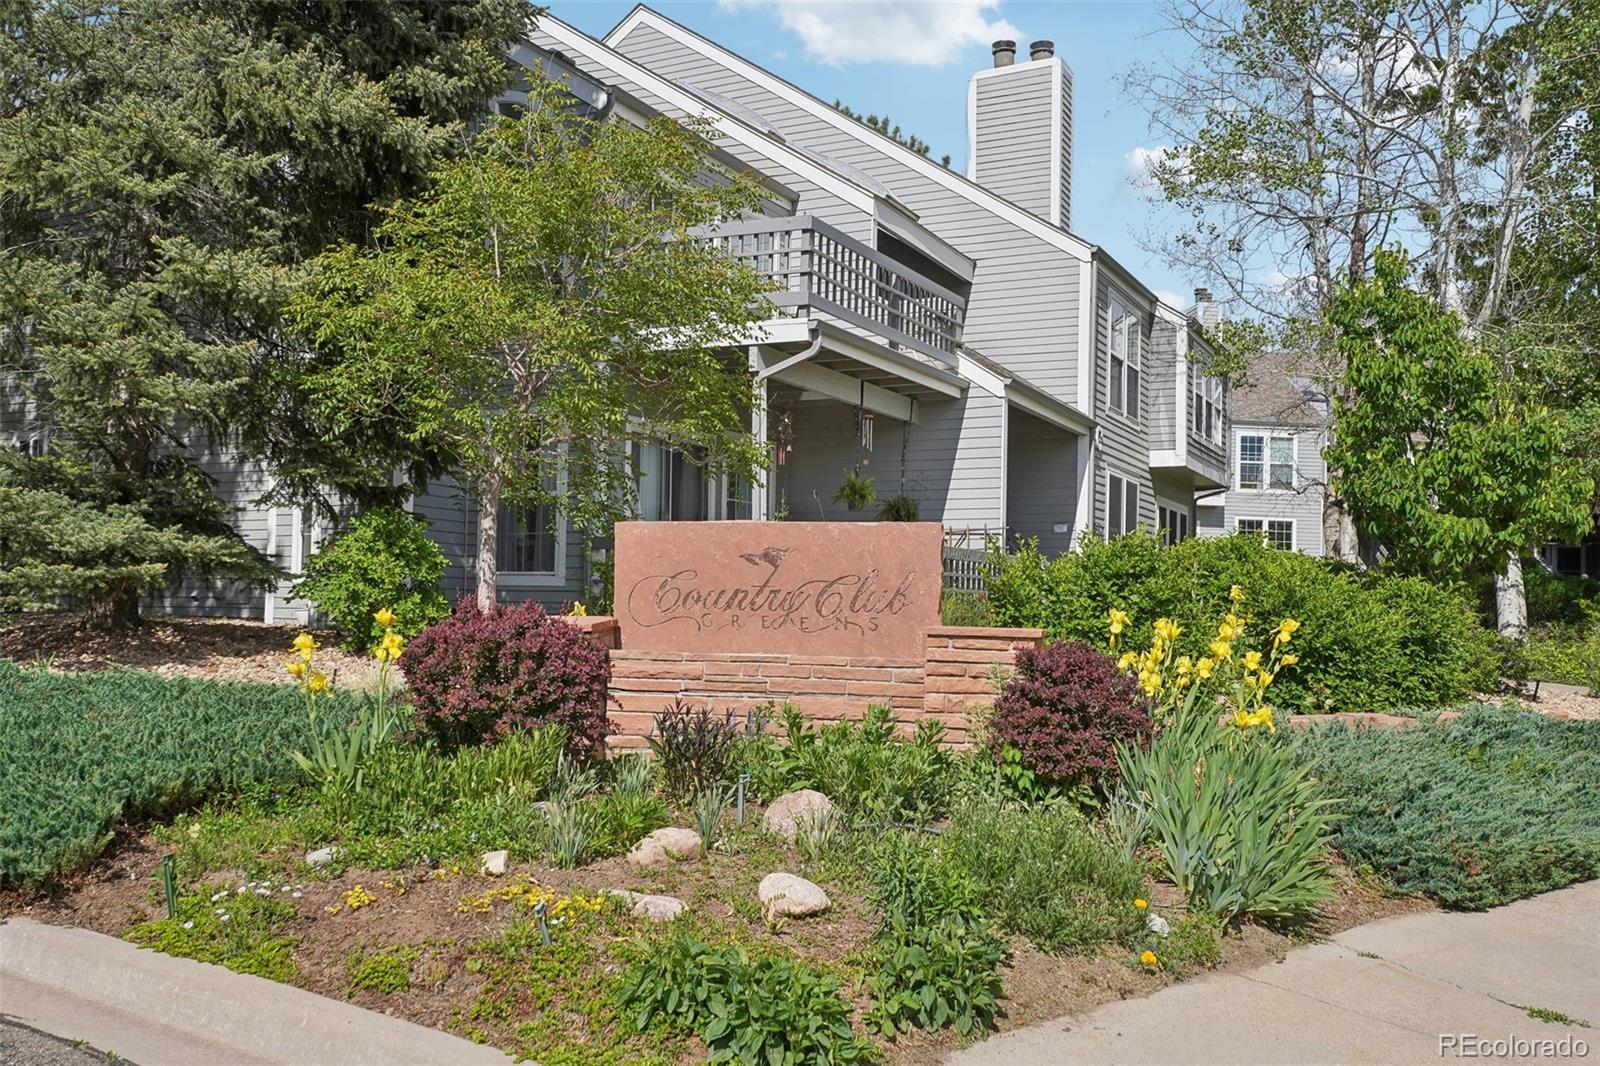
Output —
<point x="780" y="429"/>
<point x="864" y="426"/>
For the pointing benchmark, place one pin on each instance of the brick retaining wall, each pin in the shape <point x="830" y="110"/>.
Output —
<point x="951" y="681"/>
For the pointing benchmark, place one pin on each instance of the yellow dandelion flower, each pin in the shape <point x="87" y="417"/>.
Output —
<point x="1141" y="904"/>
<point x="1148" y="957"/>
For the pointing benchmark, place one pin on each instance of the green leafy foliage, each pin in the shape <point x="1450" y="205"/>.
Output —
<point x="864" y="768"/>
<point x="385" y="972"/>
<point x="898" y="509"/>
<point x="1431" y="451"/>
<point x="385" y="558"/>
<point x="1044" y="873"/>
<point x="1492" y="807"/>
<point x="80" y="752"/>
<point x="471" y="322"/>
<point x="935" y="954"/>
<point x="856" y="491"/>
<point x="1367" y="643"/>
<point x="237" y="928"/>
<point x="160" y="210"/>
<point x="958" y="608"/>
<point x="1241" y="825"/>
<point x="772" y="1009"/>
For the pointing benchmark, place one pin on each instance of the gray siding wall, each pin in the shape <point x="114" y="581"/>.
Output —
<point x="1041" y="481"/>
<point x="812" y="200"/>
<point x="1024" y="307"/>
<point x="1124" y="449"/>
<point x="954" y="453"/>
<point x="1303" y="506"/>
<point x="1065" y="191"/>
<point x="1012" y="134"/>
<point x="444" y="506"/>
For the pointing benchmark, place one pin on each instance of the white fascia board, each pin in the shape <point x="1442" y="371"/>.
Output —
<point x="1050" y="411"/>
<point x="1057" y="70"/>
<point x="1165" y="458"/>
<point x="1088" y="338"/>
<point x="846" y="389"/>
<point x="980" y="375"/>
<point x="725" y="124"/>
<point x="998" y="205"/>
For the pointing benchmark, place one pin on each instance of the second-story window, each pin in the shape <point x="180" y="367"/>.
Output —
<point x="1205" y="408"/>
<point x="1123" y="348"/>
<point x="1266" y="461"/>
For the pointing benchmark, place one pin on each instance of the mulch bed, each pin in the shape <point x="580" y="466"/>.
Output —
<point x="121" y="889"/>
<point x="211" y="649"/>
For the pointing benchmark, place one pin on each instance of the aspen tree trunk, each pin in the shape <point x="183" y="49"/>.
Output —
<point x="489" y="490"/>
<point x="1511" y="599"/>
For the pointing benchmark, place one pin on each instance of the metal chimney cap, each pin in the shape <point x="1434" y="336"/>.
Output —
<point x="1005" y="53"/>
<point x="1041" y="49"/>
<point x="1202" y="296"/>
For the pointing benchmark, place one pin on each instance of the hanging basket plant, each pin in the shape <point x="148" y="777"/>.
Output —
<point x="898" y="509"/>
<point x="856" y="492"/>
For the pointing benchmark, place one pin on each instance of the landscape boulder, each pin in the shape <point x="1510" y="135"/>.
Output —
<point x="792" y="810"/>
<point x="322" y="856"/>
<point x="666" y="845"/>
<point x="790" y="896"/>
<point x="494" y="862"/>
<point x="655" y="908"/>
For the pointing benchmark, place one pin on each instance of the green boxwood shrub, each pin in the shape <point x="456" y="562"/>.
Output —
<point x="80" y="752"/>
<point x="384" y="558"/>
<point x="1369" y="642"/>
<point x="1497" y="805"/>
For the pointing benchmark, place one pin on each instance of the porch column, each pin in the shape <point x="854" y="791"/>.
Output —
<point x="760" y="491"/>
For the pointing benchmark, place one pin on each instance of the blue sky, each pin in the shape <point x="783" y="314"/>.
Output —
<point x="912" y="59"/>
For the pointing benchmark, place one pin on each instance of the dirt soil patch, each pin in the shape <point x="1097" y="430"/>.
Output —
<point x="422" y="910"/>
<point x="211" y="649"/>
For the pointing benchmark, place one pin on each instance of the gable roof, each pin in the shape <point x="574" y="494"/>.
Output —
<point x="1279" y="392"/>
<point x="958" y="183"/>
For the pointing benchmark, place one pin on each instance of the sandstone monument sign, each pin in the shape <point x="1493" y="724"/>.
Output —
<point x="809" y="588"/>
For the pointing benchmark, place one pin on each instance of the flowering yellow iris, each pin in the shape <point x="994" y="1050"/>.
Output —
<point x="384" y="617"/>
<point x="305" y="645"/>
<point x="1236" y="594"/>
<point x="389" y="648"/>
<point x="317" y="684"/>
<point x="1247" y="720"/>
<point x="1252" y="660"/>
<point x="1128" y="659"/>
<point x="1286" y="629"/>
<point x="1204" y="668"/>
<point x="1288" y="660"/>
<point x="1167" y="630"/>
<point x="297" y="669"/>
<point x="578" y="611"/>
<point x="1220" y="650"/>
<point x="1117" y="620"/>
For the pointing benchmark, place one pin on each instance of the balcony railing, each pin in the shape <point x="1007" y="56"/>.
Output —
<point x="816" y="267"/>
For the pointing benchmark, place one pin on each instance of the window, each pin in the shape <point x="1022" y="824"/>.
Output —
<point x="1278" y="532"/>
<point x="1206" y="406"/>
<point x="672" y="487"/>
<point x="1172" y="523"/>
<point x="528" y="541"/>
<point x="1122" y="505"/>
<point x="1266" y="461"/>
<point x="1123" y="348"/>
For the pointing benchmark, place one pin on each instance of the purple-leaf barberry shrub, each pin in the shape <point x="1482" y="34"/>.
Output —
<point x="475" y="677"/>
<point x="1065" y="711"/>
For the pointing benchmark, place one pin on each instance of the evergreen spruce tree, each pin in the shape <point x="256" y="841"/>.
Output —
<point x="167" y="168"/>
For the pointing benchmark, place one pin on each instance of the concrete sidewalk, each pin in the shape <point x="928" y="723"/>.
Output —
<point x="157" y="1010"/>
<point x="1395" y="991"/>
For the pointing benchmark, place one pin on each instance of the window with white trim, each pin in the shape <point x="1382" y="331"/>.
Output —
<point x="1266" y="461"/>
<point x="1123" y="349"/>
<point x="1206" y="406"/>
<point x="672" y="486"/>
<point x="1122" y="505"/>
<point x="1277" y="532"/>
<point x="1172" y="523"/>
<point x="528" y="540"/>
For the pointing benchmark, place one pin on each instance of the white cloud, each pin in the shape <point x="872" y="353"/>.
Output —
<point x="1174" y="299"/>
<point x="1141" y="163"/>
<point x="920" y="33"/>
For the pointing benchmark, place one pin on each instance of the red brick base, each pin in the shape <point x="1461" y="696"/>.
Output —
<point x="952" y="682"/>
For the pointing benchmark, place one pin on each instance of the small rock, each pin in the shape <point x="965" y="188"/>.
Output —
<point x="664" y="845"/>
<point x="655" y="908"/>
<point x="793" y="809"/>
<point x="788" y="896"/>
<point x="494" y="862"/>
<point x="1157" y="924"/>
<point x="321" y="857"/>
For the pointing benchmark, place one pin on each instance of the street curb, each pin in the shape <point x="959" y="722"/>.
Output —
<point x="156" y="1009"/>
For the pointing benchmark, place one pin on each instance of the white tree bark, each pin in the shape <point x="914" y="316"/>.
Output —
<point x="1511" y="599"/>
<point x="489" y="489"/>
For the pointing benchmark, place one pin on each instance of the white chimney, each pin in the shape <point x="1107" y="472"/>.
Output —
<point x="1019" y="130"/>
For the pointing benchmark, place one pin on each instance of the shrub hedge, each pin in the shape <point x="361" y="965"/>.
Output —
<point x="1497" y="805"/>
<point x="80" y="752"/>
<point x="1369" y="642"/>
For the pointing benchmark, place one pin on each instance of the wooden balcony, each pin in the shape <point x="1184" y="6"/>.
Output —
<point x="816" y="269"/>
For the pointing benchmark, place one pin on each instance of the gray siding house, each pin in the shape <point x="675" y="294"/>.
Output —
<point x="1276" y="478"/>
<point x="947" y="335"/>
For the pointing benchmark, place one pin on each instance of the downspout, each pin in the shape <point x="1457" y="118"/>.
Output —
<point x="812" y="349"/>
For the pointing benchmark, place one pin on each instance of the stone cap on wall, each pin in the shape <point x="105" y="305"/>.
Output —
<point x="602" y="627"/>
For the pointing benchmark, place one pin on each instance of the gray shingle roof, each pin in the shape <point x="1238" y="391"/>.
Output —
<point x="1280" y="392"/>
